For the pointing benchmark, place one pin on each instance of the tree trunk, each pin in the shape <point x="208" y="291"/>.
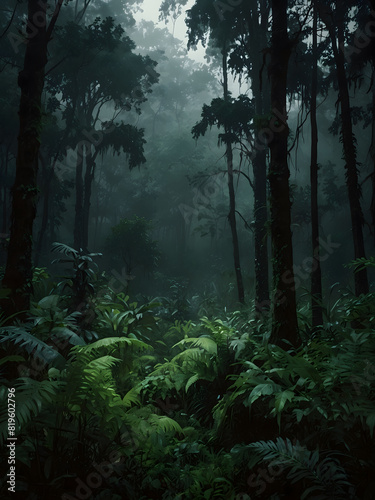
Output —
<point x="372" y="153"/>
<point x="350" y="153"/>
<point x="372" y="146"/>
<point x="258" y="28"/>
<point x="232" y="198"/>
<point x="316" y="273"/>
<point x="89" y="177"/>
<point x="262" y="300"/>
<point x="5" y="192"/>
<point x="78" y="218"/>
<point x="285" y="326"/>
<point x="18" y="272"/>
<point x="43" y="228"/>
<point x="233" y="225"/>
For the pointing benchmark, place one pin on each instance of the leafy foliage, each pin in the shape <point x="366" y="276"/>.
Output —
<point x="234" y="115"/>
<point x="81" y="282"/>
<point x="130" y="242"/>
<point x="197" y="408"/>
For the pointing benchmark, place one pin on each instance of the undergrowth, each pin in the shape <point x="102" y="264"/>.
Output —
<point x="131" y="405"/>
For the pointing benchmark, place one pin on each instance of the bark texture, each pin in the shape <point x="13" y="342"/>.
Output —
<point x="349" y="146"/>
<point x="316" y="273"/>
<point x="18" y="272"/>
<point x="285" y="326"/>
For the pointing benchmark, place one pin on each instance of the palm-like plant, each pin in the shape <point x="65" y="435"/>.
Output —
<point x="81" y="282"/>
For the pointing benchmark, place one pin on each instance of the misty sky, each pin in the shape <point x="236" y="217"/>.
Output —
<point x="150" y="12"/>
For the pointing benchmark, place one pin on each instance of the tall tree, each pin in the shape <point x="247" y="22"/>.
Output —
<point x="234" y="116"/>
<point x="245" y="26"/>
<point x="241" y="28"/>
<point x="285" y="325"/>
<point x="316" y="273"/>
<point x="257" y="35"/>
<point x="18" y="271"/>
<point x="232" y="197"/>
<point x="103" y="72"/>
<point x="334" y="22"/>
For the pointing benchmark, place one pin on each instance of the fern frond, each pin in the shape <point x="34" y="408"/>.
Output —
<point x="64" y="249"/>
<point x="19" y="336"/>
<point x="189" y="355"/>
<point x="61" y="332"/>
<point x="361" y="263"/>
<point x="131" y="397"/>
<point x="326" y="476"/>
<point x="31" y="397"/>
<point x="194" y="378"/>
<point x="113" y="343"/>
<point x="15" y="358"/>
<point x="100" y="365"/>
<point x="164" y="423"/>
<point x="204" y="343"/>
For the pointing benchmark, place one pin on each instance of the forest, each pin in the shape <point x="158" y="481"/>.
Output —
<point x="187" y="236"/>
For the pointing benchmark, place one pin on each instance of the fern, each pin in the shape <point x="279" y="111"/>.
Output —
<point x="144" y="422"/>
<point x="326" y="476"/>
<point x="205" y="343"/>
<point x="19" y="336"/>
<point x="64" y="249"/>
<point x="113" y="343"/>
<point x="362" y="263"/>
<point x="32" y="397"/>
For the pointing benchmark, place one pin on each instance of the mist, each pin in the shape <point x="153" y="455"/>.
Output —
<point x="187" y="237"/>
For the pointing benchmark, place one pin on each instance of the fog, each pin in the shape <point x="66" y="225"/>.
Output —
<point x="187" y="193"/>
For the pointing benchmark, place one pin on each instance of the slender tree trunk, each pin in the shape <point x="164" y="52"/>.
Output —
<point x="232" y="198"/>
<point x="78" y="219"/>
<point x="44" y="224"/>
<point x="285" y="326"/>
<point x="258" y="28"/>
<point x="372" y="146"/>
<point x="18" y="272"/>
<point x="262" y="300"/>
<point x="316" y="273"/>
<point x="86" y="203"/>
<point x="350" y="154"/>
<point x="89" y="178"/>
<point x="372" y="153"/>
<point x="233" y="225"/>
<point x="5" y="193"/>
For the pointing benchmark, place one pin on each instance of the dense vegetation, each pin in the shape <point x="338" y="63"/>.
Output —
<point x="187" y="302"/>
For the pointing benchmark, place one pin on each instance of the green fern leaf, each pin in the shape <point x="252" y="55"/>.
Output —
<point x="116" y="342"/>
<point x="164" y="423"/>
<point x="191" y="381"/>
<point x="204" y="343"/>
<point x="131" y="397"/>
<point x="31" y="344"/>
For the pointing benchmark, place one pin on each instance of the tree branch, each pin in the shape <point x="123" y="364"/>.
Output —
<point x="246" y="176"/>
<point x="246" y="224"/>
<point x="53" y="20"/>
